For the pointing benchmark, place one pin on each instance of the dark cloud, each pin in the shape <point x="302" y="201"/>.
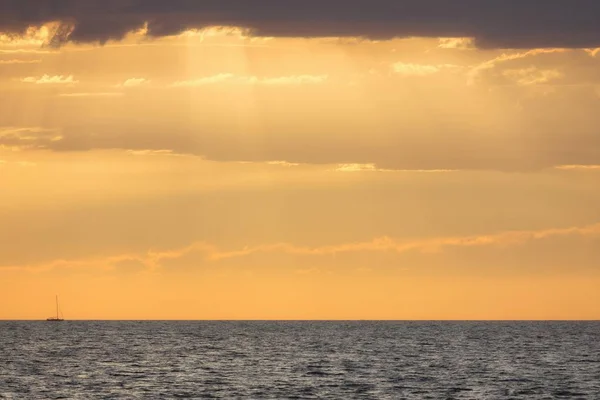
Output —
<point x="546" y="142"/>
<point x="494" y="23"/>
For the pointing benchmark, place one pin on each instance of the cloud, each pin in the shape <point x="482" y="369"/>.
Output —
<point x="92" y="94"/>
<point x="593" y="52"/>
<point x="201" y="254"/>
<point x="153" y="153"/>
<point x="25" y="133"/>
<point x="374" y="168"/>
<point x="506" y="145"/>
<point x="385" y="121"/>
<point x="532" y="75"/>
<point x="283" y="163"/>
<point x="47" y="79"/>
<point x="559" y="67"/>
<point x="205" y="81"/>
<point x="19" y="61"/>
<point x="492" y="23"/>
<point x="24" y="164"/>
<point x="20" y="138"/>
<point x="252" y="80"/>
<point x="358" y="168"/>
<point x="507" y="57"/>
<point x="24" y="51"/>
<point x="408" y="69"/>
<point x="579" y="167"/>
<point x="31" y="37"/>
<point x="510" y="238"/>
<point x="133" y="82"/>
<point x="456" y="43"/>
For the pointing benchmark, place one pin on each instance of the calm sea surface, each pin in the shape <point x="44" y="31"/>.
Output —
<point x="302" y="360"/>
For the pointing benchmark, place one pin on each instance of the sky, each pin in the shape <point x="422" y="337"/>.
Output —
<point x="308" y="160"/>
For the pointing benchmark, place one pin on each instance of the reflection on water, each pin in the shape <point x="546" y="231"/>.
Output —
<point x="395" y="360"/>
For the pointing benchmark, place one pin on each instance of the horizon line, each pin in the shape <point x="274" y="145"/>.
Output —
<point x="309" y="320"/>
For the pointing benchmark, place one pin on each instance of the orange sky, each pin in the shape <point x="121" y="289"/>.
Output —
<point x="214" y="175"/>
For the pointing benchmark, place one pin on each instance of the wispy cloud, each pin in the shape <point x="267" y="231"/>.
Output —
<point x="47" y="79"/>
<point x="358" y="168"/>
<point x="33" y="36"/>
<point x="19" y="61"/>
<point x="133" y="82"/>
<point x="504" y="57"/>
<point x="509" y="238"/>
<point x="23" y="164"/>
<point x="462" y="43"/>
<point x="154" y="153"/>
<point x="409" y="69"/>
<point x="91" y="94"/>
<point x="205" y="81"/>
<point x="19" y="138"/>
<point x="593" y="52"/>
<point x="374" y="168"/>
<point x="26" y="133"/>
<point x="283" y="163"/>
<point x="579" y="167"/>
<point x="209" y="253"/>
<point x="25" y="51"/>
<point x="532" y="75"/>
<point x="252" y="80"/>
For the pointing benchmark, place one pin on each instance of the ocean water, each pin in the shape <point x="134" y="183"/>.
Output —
<point x="300" y="360"/>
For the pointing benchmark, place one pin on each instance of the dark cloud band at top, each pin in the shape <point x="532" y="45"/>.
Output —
<point x="493" y="23"/>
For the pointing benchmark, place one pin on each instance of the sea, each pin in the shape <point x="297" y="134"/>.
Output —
<point x="299" y="360"/>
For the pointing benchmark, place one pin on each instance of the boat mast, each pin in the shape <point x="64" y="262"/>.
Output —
<point x="56" y="306"/>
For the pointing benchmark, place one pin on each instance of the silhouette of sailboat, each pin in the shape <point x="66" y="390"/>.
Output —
<point x="57" y="318"/>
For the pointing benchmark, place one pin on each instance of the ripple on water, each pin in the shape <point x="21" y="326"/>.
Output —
<point x="387" y="360"/>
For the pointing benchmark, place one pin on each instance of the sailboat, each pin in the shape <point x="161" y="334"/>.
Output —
<point x="57" y="318"/>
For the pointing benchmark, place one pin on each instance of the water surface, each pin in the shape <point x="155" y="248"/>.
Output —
<point x="302" y="360"/>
